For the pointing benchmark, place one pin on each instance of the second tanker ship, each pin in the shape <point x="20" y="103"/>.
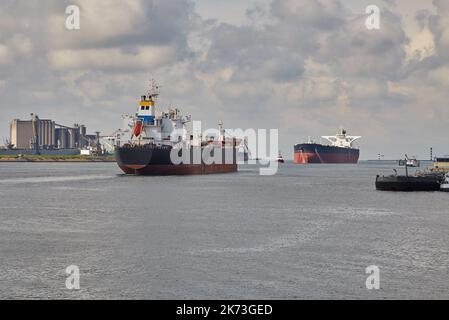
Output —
<point x="341" y="150"/>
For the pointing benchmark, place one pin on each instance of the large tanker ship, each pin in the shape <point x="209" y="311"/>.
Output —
<point x="340" y="150"/>
<point x="161" y="145"/>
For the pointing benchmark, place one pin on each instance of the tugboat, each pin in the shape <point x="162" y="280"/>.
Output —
<point x="418" y="182"/>
<point x="280" y="158"/>
<point x="445" y="185"/>
<point x="161" y="145"/>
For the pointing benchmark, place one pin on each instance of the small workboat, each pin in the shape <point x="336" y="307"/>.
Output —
<point x="419" y="182"/>
<point x="408" y="183"/>
<point x="280" y="158"/>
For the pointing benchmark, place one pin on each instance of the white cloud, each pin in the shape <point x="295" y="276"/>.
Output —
<point x="20" y="45"/>
<point x="4" y="54"/>
<point x="440" y="77"/>
<point x="101" y="21"/>
<point x="110" y="59"/>
<point x="421" y="46"/>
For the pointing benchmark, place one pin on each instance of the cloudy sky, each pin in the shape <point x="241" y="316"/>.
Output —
<point x="305" y="67"/>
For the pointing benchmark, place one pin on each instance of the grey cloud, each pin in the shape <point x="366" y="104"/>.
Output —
<point x="357" y="51"/>
<point x="438" y="25"/>
<point x="112" y="23"/>
<point x="321" y="15"/>
<point x="253" y="55"/>
<point x="422" y="17"/>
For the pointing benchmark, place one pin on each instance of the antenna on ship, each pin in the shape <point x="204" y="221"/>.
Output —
<point x="154" y="91"/>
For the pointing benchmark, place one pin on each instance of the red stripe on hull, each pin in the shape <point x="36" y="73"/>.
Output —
<point x="182" y="169"/>
<point x="306" y="157"/>
<point x="312" y="157"/>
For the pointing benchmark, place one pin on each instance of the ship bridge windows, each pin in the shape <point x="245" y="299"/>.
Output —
<point x="142" y="108"/>
<point x="147" y="108"/>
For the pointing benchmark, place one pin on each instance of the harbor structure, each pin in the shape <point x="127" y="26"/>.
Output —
<point x="45" y="134"/>
<point x="23" y="134"/>
<point x="36" y="135"/>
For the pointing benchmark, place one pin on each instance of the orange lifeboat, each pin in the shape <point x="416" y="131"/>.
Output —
<point x="138" y="128"/>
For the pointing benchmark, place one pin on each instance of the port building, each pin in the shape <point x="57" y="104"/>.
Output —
<point x="22" y="135"/>
<point x="48" y="134"/>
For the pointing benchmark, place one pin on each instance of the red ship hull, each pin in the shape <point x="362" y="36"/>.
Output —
<point x="317" y="153"/>
<point x="181" y="169"/>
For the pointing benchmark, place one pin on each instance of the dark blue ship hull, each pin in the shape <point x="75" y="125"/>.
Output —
<point x="155" y="160"/>
<point x="318" y="153"/>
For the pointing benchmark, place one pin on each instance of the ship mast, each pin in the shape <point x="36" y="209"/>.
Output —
<point x="153" y="92"/>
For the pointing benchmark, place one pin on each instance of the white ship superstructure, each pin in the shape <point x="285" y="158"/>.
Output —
<point x="341" y="139"/>
<point x="166" y="128"/>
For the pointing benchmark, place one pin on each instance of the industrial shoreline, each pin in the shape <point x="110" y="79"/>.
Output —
<point x="37" y="158"/>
